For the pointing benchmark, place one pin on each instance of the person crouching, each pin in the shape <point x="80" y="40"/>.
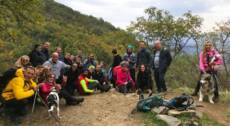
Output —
<point x="124" y="80"/>
<point x="144" y="80"/>
<point x="17" y="93"/>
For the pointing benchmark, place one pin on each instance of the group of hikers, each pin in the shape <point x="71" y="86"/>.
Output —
<point x="40" y="72"/>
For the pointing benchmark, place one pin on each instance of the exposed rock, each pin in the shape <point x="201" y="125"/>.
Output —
<point x="191" y="122"/>
<point x="160" y="110"/>
<point x="186" y="112"/>
<point x="171" y="121"/>
<point x="199" y="114"/>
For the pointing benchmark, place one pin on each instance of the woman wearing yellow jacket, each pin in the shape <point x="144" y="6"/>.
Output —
<point x="17" y="91"/>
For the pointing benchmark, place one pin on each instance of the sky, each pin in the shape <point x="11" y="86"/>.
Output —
<point x="121" y="12"/>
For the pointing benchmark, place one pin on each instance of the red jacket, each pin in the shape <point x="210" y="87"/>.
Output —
<point x="45" y="90"/>
<point x="122" y="77"/>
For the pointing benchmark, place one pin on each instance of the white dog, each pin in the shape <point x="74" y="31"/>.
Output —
<point x="206" y="88"/>
<point x="53" y="102"/>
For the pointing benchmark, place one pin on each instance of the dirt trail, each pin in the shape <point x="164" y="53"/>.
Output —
<point x="112" y="109"/>
<point x="220" y="112"/>
<point x="106" y="109"/>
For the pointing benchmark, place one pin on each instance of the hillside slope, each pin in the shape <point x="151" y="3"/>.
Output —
<point x="26" y="22"/>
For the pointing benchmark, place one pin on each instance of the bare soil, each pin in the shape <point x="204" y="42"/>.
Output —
<point x="112" y="109"/>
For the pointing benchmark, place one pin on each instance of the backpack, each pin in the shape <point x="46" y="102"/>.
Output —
<point x="6" y="77"/>
<point x="145" y="105"/>
<point x="180" y="103"/>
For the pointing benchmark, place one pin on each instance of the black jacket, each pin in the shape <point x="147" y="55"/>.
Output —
<point x="116" y="60"/>
<point x="144" y="80"/>
<point x="37" y="58"/>
<point x="143" y="57"/>
<point x="46" y="54"/>
<point x="165" y="59"/>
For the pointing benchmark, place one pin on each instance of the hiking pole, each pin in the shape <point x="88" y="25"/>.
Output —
<point x="35" y="97"/>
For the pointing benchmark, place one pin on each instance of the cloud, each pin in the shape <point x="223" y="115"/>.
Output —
<point x="121" y="12"/>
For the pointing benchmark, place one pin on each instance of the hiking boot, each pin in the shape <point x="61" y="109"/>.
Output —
<point x="72" y="103"/>
<point x="79" y="99"/>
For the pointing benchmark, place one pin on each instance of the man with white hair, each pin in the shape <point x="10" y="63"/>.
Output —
<point x="161" y="60"/>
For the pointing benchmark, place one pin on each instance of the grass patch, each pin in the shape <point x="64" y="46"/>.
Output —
<point x="150" y="119"/>
<point x="204" y="121"/>
<point x="225" y="97"/>
<point x="207" y="121"/>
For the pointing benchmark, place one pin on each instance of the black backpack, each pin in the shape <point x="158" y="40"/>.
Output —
<point x="6" y="77"/>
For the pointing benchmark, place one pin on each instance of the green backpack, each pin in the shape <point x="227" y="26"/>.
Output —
<point x="145" y="105"/>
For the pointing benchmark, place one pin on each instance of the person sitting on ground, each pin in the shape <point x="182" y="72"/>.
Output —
<point x="124" y="80"/>
<point x="47" y="85"/>
<point x="90" y="61"/>
<point x="72" y="75"/>
<point x="23" y="61"/>
<point x="210" y="62"/>
<point x="36" y="56"/>
<point x="87" y="86"/>
<point x="116" y="62"/>
<point x="58" y="69"/>
<point x="144" y="80"/>
<point x="17" y="92"/>
<point x="101" y="77"/>
<point x="91" y="70"/>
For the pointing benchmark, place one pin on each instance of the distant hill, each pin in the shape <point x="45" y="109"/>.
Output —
<point x="24" y="23"/>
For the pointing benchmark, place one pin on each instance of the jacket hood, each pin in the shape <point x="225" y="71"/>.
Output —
<point x="19" y="73"/>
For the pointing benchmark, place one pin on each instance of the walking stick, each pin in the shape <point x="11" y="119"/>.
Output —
<point x="35" y="97"/>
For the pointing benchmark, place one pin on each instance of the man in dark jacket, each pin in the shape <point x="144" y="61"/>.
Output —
<point x="36" y="56"/>
<point x="160" y="62"/>
<point x="45" y="50"/>
<point x="116" y="58"/>
<point x="143" y="56"/>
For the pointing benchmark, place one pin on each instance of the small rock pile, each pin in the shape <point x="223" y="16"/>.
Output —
<point x="171" y="116"/>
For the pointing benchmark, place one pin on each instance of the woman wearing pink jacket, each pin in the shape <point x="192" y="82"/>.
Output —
<point x="209" y="62"/>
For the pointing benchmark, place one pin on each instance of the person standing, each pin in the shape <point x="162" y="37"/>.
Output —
<point x="36" y="56"/>
<point x="143" y="56"/>
<point x="160" y="62"/>
<point x="116" y="58"/>
<point x="45" y="50"/>
<point x="130" y="57"/>
<point x="209" y="62"/>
